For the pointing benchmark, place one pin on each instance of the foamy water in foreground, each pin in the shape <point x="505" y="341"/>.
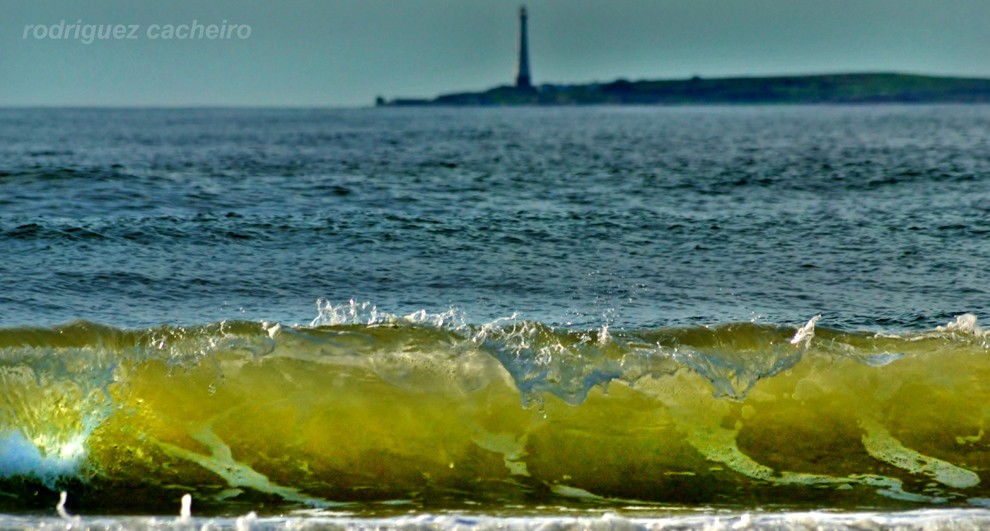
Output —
<point x="564" y="519"/>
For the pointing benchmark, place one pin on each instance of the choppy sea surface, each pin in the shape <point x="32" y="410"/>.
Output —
<point x="605" y="317"/>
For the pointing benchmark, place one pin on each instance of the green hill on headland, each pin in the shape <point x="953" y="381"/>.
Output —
<point x="809" y="89"/>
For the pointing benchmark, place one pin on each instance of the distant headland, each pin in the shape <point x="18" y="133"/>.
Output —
<point x="807" y="89"/>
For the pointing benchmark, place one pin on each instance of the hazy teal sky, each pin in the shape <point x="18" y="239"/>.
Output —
<point x="345" y="52"/>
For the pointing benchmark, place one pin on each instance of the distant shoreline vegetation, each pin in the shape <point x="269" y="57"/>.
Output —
<point x="804" y="89"/>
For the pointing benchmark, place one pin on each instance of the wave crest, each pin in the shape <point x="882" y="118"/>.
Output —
<point x="364" y="405"/>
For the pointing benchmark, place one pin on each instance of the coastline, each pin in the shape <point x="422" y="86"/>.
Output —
<point x="866" y="88"/>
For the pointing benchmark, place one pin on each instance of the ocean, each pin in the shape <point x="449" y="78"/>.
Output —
<point x="585" y="317"/>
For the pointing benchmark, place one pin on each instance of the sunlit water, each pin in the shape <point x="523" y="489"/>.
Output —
<point x="603" y="317"/>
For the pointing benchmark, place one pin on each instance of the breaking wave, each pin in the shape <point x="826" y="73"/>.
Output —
<point x="363" y="407"/>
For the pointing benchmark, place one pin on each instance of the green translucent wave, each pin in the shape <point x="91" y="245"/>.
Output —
<point x="505" y="413"/>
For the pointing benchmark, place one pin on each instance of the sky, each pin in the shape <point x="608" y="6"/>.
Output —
<point x="346" y="52"/>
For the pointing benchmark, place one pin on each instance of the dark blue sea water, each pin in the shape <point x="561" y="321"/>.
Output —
<point x="605" y="317"/>
<point x="876" y="217"/>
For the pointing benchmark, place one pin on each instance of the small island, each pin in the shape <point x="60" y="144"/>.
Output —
<point x="806" y="89"/>
<point x="847" y="88"/>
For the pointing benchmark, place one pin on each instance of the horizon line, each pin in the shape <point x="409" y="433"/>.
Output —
<point x="372" y="98"/>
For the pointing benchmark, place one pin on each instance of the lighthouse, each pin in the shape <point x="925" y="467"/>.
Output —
<point x="523" y="81"/>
